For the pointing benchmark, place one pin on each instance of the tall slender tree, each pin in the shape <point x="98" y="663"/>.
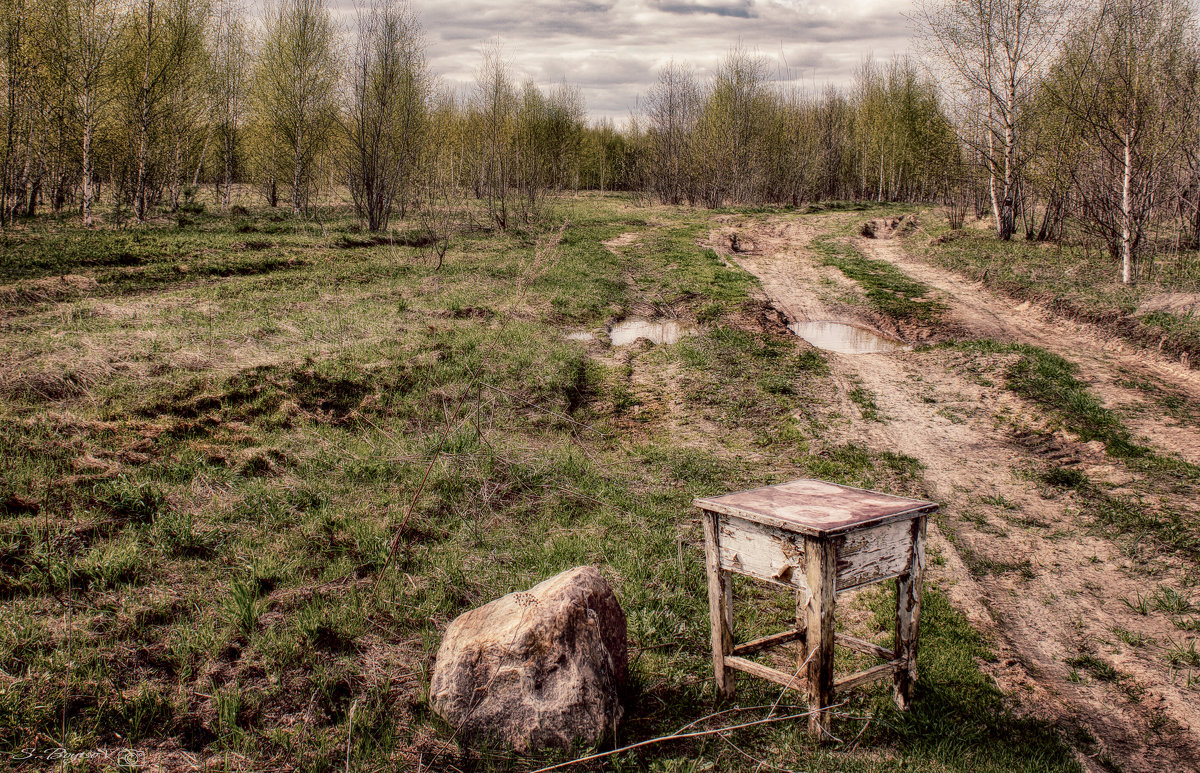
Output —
<point x="230" y="52"/>
<point x="672" y="108"/>
<point x="386" y="119"/>
<point x="295" y="87"/>
<point x="91" y="28"/>
<point x="995" y="50"/>
<point x="1126" y="80"/>
<point x="166" y="42"/>
<point x="494" y="108"/>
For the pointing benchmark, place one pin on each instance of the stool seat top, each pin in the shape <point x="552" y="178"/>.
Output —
<point x="816" y="507"/>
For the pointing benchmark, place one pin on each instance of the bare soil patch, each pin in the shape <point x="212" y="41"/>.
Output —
<point x="1102" y="358"/>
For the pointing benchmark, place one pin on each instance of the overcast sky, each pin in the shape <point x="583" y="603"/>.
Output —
<point x="613" y="49"/>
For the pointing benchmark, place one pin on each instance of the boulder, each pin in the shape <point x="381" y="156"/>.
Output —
<point x="538" y="668"/>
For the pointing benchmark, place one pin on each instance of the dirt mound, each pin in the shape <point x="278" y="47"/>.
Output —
<point x="889" y="227"/>
<point x="742" y="243"/>
<point x="48" y="290"/>
<point x="1184" y="304"/>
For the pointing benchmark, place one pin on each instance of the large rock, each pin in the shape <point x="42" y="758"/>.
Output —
<point x="538" y="668"/>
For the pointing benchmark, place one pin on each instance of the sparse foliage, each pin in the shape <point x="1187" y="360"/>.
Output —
<point x="386" y="117"/>
<point x="294" y="90"/>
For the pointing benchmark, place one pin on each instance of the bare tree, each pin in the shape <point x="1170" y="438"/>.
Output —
<point x="731" y="127"/>
<point x="17" y="77"/>
<point x="1124" y="79"/>
<point x="672" y="106"/>
<point x="495" y="107"/>
<point x="167" y="41"/>
<point x="1188" y="205"/>
<point x="230" y="53"/>
<point x="790" y="147"/>
<point x="905" y="147"/>
<point x="91" y="27"/>
<point x="386" y="119"/>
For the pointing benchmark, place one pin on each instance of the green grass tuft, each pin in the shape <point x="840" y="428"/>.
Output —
<point x="889" y="290"/>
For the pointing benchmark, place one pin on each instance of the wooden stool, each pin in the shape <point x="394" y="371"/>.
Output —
<point x="820" y="539"/>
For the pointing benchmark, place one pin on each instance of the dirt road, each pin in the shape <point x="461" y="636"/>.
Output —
<point x="1022" y="559"/>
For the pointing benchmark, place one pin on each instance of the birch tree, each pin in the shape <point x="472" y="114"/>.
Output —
<point x="91" y="29"/>
<point x="495" y="109"/>
<point x="995" y="49"/>
<point x="163" y="52"/>
<point x="730" y="129"/>
<point x="228" y="84"/>
<point x="1124" y="79"/>
<point x="17" y="83"/>
<point x="672" y="106"/>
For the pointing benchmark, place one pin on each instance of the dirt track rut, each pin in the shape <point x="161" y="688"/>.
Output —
<point x="1021" y="560"/>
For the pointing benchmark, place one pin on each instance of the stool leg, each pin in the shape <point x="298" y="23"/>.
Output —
<point x="802" y="629"/>
<point x="820" y="568"/>
<point x="720" y="606"/>
<point x="908" y="619"/>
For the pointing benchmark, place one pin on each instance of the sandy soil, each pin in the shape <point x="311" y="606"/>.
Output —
<point x="1041" y="583"/>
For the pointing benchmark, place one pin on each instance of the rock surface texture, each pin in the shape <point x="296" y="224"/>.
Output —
<point x="538" y="668"/>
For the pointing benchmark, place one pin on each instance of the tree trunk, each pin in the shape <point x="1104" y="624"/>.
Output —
<point x="139" y="193"/>
<point x="229" y="148"/>
<point x="87" y="165"/>
<point x="296" y="180"/>
<point x="176" y="173"/>
<point x="203" y="153"/>
<point x="1127" y="236"/>
<point x="879" y="192"/>
<point x="992" y="180"/>
<point x="1006" y="218"/>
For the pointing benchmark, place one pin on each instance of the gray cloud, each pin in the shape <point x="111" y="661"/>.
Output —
<point x="613" y="49"/>
<point x="743" y="10"/>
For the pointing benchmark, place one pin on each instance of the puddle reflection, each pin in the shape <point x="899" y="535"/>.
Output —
<point x="845" y="339"/>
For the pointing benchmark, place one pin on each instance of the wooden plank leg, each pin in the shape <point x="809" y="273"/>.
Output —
<point x="908" y="618"/>
<point x="720" y="606"/>
<point x="727" y="606"/>
<point x="820" y="569"/>
<point x="801" y="630"/>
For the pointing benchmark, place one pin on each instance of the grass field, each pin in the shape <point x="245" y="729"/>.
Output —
<point x="208" y="454"/>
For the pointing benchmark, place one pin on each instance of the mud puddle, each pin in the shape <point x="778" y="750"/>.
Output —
<point x="845" y="339"/>
<point x="659" y="331"/>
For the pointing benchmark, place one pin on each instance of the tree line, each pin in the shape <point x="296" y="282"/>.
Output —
<point x="143" y="101"/>
<point x="1049" y="115"/>
<point x="740" y="138"/>
<point x="1046" y="114"/>
<point x="139" y="103"/>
